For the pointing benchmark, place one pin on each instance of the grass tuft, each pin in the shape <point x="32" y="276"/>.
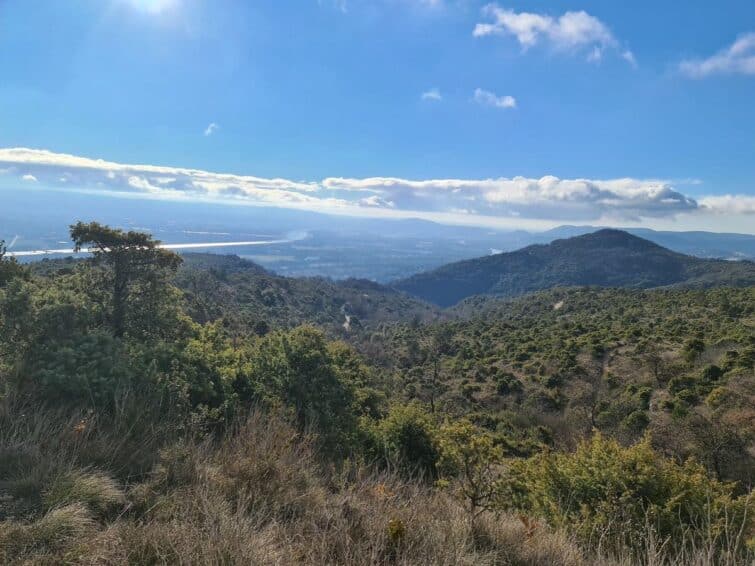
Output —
<point x="99" y="492"/>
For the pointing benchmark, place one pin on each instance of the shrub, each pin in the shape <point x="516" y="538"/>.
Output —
<point x="636" y="421"/>
<point x="687" y="396"/>
<point x="408" y="437"/>
<point x="506" y="383"/>
<point x="717" y="397"/>
<point x="87" y="369"/>
<point x="693" y="349"/>
<point x="470" y="454"/>
<point x="606" y="490"/>
<point x="712" y="373"/>
<point x="299" y="369"/>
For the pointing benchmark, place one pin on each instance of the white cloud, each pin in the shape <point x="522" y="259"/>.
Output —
<point x="142" y="184"/>
<point x="596" y="55"/>
<point x="169" y="182"/>
<point x="629" y="57"/>
<point x="548" y="197"/>
<point x="375" y="200"/>
<point x="432" y="94"/>
<point x="211" y="128"/>
<point x="487" y="98"/>
<point x="472" y="201"/>
<point x="572" y="31"/>
<point x="738" y="58"/>
<point x="29" y="178"/>
<point x="729" y="204"/>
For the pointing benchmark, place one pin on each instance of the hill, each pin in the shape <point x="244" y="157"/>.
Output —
<point x="621" y="361"/>
<point x="250" y="298"/>
<point x="216" y="285"/>
<point x="606" y="258"/>
<point x="720" y="245"/>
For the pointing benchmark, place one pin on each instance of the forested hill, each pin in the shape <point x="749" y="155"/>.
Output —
<point x="234" y="288"/>
<point x="606" y="258"/>
<point x="252" y="299"/>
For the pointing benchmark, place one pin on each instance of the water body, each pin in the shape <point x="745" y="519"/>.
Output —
<point x="184" y="246"/>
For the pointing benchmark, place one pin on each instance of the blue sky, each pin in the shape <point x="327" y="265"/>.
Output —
<point x="523" y="113"/>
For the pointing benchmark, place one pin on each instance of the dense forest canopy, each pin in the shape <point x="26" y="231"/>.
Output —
<point x="155" y="410"/>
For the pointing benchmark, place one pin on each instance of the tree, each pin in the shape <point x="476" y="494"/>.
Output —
<point x="470" y="454"/>
<point x="720" y="446"/>
<point x="351" y="370"/>
<point x="10" y="306"/>
<point x="586" y="398"/>
<point x="134" y="259"/>
<point x="693" y="349"/>
<point x="298" y="369"/>
<point x="656" y="363"/>
<point x="9" y="267"/>
<point x="433" y="348"/>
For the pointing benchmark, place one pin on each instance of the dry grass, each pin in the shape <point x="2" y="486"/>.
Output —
<point x="46" y="540"/>
<point x="99" y="492"/>
<point x="258" y="496"/>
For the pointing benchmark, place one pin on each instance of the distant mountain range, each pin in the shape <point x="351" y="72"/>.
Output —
<point x="340" y="247"/>
<point x="606" y="258"/>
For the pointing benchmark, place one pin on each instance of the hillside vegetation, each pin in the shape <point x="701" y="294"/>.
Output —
<point x="607" y="258"/>
<point x="218" y="285"/>
<point x="213" y="413"/>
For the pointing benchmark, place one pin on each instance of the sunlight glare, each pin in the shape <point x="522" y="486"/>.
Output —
<point x="153" y="6"/>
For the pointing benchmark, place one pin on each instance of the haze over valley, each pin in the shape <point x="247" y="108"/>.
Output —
<point x="300" y="243"/>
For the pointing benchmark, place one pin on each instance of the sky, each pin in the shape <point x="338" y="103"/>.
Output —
<point x="512" y="114"/>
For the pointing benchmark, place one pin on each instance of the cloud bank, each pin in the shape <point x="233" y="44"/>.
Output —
<point x="471" y="201"/>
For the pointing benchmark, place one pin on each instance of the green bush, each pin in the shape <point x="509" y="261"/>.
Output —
<point x="604" y="490"/>
<point x="636" y="421"/>
<point x="409" y="440"/>
<point x="297" y="368"/>
<point x="469" y="454"/>
<point x="507" y="383"/>
<point x="87" y="368"/>
<point x="712" y="373"/>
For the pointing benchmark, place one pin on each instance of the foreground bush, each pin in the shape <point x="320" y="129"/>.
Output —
<point x="605" y="492"/>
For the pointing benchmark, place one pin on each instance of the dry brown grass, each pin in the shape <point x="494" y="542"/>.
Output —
<point x="258" y="496"/>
